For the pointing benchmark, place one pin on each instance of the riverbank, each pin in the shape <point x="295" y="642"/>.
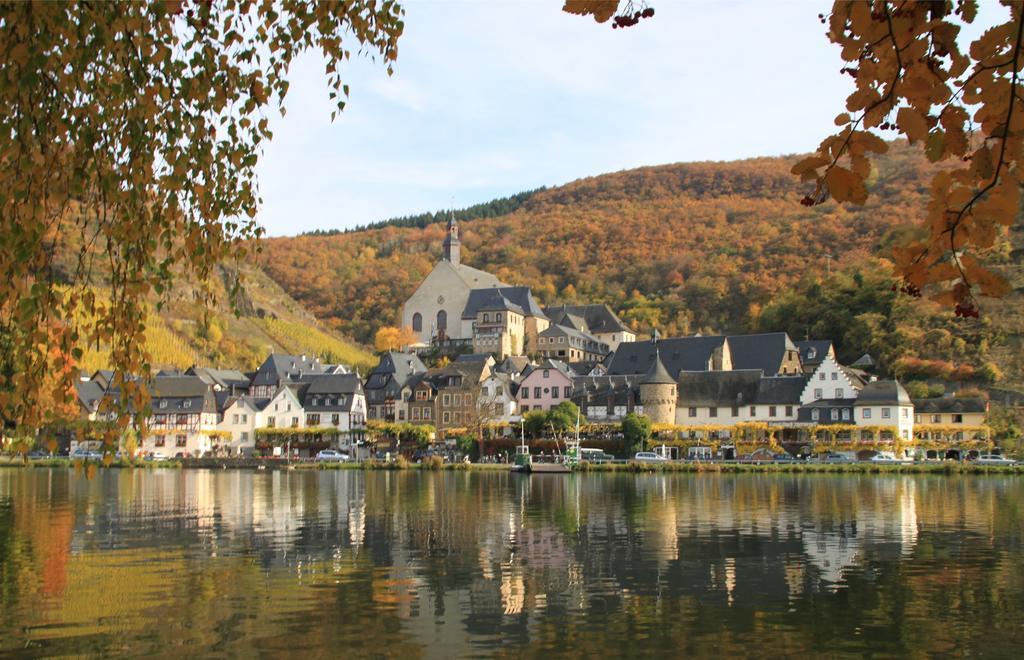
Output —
<point x="944" y="467"/>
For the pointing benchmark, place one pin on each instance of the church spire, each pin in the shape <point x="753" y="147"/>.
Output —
<point x="452" y="244"/>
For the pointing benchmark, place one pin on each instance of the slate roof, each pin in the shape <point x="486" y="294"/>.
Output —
<point x="864" y="362"/>
<point x="584" y="368"/>
<point x="181" y="394"/>
<point x="949" y="404"/>
<point x="678" y="354"/>
<point x="657" y="374"/>
<point x="473" y="277"/>
<point x="279" y="368"/>
<point x="557" y="365"/>
<point x="813" y="351"/>
<point x="785" y="390"/>
<point x="90" y="394"/>
<point x="719" y="388"/>
<point x="519" y="296"/>
<point x="824" y="408"/>
<point x="497" y="302"/>
<point x="394" y="367"/>
<point x="881" y="392"/>
<point x="473" y="357"/>
<point x="589" y="341"/>
<point x="258" y="404"/>
<point x="225" y="378"/>
<point x="605" y="390"/>
<point x="330" y="393"/>
<point x="764" y="351"/>
<point x="599" y="318"/>
<point x="513" y="364"/>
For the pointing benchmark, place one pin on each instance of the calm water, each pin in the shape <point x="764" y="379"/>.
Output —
<point x="467" y="564"/>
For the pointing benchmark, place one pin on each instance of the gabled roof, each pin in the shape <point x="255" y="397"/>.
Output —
<point x="330" y="393"/>
<point x="949" y="404"/>
<point x="813" y="351"/>
<point x="556" y="365"/>
<point x="678" y="354"/>
<point x="395" y="366"/>
<point x="864" y="362"/>
<point x="719" y="388"/>
<point x="473" y="357"/>
<point x="586" y="368"/>
<point x="497" y="302"/>
<point x="255" y="404"/>
<point x="90" y="394"/>
<point x="569" y="320"/>
<point x="599" y="318"/>
<point x="181" y="394"/>
<point x="588" y="340"/>
<point x="881" y="392"/>
<point x="473" y="277"/>
<point x="764" y="351"/>
<point x="513" y="364"/>
<point x="225" y="378"/>
<point x="279" y="368"/>
<point x="590" y="390"/>
<point x="518" y="296"/>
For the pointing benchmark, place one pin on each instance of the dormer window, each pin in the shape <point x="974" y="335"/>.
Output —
<point x="497" y="317"/>
<point x="186" y="404"/>
<point x="547" y="373"/>
<point x="163" y="403"/>
<point x="811" y="353"/>
<point x="487" y="317"/>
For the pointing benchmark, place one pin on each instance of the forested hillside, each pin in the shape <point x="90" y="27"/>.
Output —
<point x="708" y="247"/>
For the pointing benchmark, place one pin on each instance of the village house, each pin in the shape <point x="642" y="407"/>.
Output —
<point x="336" y="404"/>
<point x="385" y="384"/>
<point x="598" y="321"/>
<point x="497" y="401"/>
<point x="183" y="419"/>
<point x="280" y="369"/>
<point x="950" y="418"/>
<point x="231" y="381"/>
<point x="886" y="403"/>
<point x="240" y="418"/>
<point x="545" y="385"/>
<point x="568" y="344"/>
<point x="449" y="397"/>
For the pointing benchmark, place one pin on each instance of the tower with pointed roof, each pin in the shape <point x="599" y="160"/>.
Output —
<point x="452" y="244"/>
<point x="658" y="393"/>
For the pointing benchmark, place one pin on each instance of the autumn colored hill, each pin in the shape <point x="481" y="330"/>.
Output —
<point x="693" y="247"/>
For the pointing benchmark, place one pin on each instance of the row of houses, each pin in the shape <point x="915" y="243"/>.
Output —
<point x="223" y="411"/>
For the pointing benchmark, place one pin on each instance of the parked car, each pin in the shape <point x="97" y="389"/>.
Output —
<point x="86" y="454"/>
<point x="994" y="459"/>
<point x="649" y="457"/>
<point x="835" y="458"/>
<point x="157" y="456"/>
<point x="783" y="457"/>
<point x="330" y="456"/>
<point x="38" y="453"/>
<point x="887" y="457"/>
<point x="595" y="455"/>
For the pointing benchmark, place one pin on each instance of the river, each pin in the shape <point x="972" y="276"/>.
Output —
<point x="452" y="564"/>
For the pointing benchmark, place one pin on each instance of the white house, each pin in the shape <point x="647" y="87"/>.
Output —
<point x="241" y="417"/>
<point x="497" y="398"/>
<point x="830" y="380"/>
<point x="183" y="420"/>
<point x="886" y="403"/>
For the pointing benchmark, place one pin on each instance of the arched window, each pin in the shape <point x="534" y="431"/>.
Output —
<point x="417" y="322"/>
<point x="442" y="320"/>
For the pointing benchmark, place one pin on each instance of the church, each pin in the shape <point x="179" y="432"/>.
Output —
<point x="435" y="309"/>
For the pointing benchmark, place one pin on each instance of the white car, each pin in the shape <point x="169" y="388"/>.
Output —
<point x="331" y="456"/>
<point x="157" y="456"/>
<point x="994" y="459"/>
<point x="887" y="457"/>
<point x="649" y="457"/>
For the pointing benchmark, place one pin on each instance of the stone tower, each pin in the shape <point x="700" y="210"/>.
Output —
<point x="452" y="244"/>
<point x="658" y="393"/>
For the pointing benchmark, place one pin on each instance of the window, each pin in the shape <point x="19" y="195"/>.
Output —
<point x="835" y="376"/>
<point x="834" y="414"/>
<point x="245" y="419"/>
<point x="866" y="414"/>
<point x="234" y="419"/>
<point x="712" y="412"/>
<point x="487" y="317"/>
<point x="415" y="413"/>
<point x="497" y="317"/>
<point x="401" y="415"/>
<point x="446" y="417"/>
<point x="936" y="419"/>
<point x="958" y="419"/>
<point x="457" y="417"/>
<point x="814" y="415"/>
<point x="817" y="393"/>
<point x="270" y="422"/>
<point x="163" y="403"/>
<point x="561" y="340"/>
<point x="906" y="414"/>
<point x="295" y="422"/>
<point x="245" y="436"/>
<point x="335" y="419"/>
<point x="771" y="411"/>
<point x="839" y="393"/>
<point x="536" y="393"/>
<point x="442" y="320"/>
<point x="159" y="441"/>
<point x="288" y="408"/>
<point x="426" y="413"/>
<point x="846" y="414"/>
<point x="180" y="440"/>
<point x="821" y="375"/>
<point x="567" y="391"/>
<point x="693" y="412"/>
<point x="526" y="393"/>
<point x="789" y="411"/>
<point x="554" y="392"/>
<point x="886" y="413"/>
<point x="446" y="400"/>
<point x="547" y="373"/>
<point x="313" y="420"/>
<point x="753" y="411"/>
<point x="735" y="411"/>
<point x="417" y="322"/>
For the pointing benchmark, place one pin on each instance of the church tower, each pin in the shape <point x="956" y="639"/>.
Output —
<point x="658" y="393"/>
<point x="452" y="244"/>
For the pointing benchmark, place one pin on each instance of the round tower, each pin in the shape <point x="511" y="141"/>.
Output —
<point x="658" y="393"/>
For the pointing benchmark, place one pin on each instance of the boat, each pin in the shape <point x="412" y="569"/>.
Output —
<point x="524" y="460"/>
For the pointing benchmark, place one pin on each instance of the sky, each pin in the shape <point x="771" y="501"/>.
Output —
<point x="493" y="97"/>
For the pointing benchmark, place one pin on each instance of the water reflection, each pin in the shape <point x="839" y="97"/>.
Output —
<point x="450" y="564"/>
